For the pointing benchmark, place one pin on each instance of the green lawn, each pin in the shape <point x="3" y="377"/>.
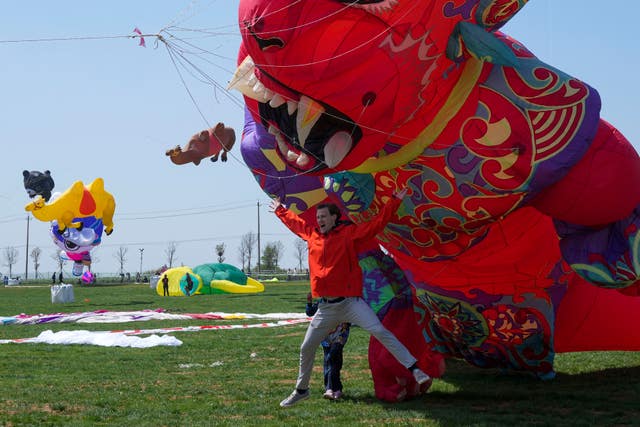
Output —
<point x="213" y="379"/>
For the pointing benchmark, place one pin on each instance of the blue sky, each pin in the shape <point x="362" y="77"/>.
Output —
<point x="105" y="107"/>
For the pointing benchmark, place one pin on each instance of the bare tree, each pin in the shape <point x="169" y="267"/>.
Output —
<point x="94" y="256"/>
<point x="242" y="254"/>
<point x="300" y="247"/>
<point x="278" y="252"/>
<point x="220" y="252"/>
<point x="170" y="252"/>
<point x="10" y="257"/>
<point x="121" y="256"/>
<point x="247" y="244"/>
<point x="35" y="257"/>
<point x="58" y="259"/>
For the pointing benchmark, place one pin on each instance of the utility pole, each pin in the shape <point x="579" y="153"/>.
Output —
<point x="26" y="255"/>
<point x="141" y="251"/>
<point x="258" y="239"/>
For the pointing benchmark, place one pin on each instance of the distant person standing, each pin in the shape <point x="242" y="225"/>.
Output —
<point x="53" y="278"/>
<point x="165" y="286"/>
<point x="59" y="277"/>
<point x="189" y="286"/>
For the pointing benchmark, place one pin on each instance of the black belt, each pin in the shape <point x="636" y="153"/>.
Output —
<point x="332" y="301"/>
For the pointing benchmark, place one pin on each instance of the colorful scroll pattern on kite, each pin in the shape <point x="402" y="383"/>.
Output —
<point x="518" y="190"/>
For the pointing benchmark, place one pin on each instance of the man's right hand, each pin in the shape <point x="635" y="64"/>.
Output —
<point x="275" y="204"/>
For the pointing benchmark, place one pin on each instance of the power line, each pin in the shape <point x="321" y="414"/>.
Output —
<point x="230" y="206"/>
<point x="77" y="38"/>
<point x="149" y="215"/>
<point x="186" y="213"/>
<point x="11" y="219"/>
<point x="163" y="242"/>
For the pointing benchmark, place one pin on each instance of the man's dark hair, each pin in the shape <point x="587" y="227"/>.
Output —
<point x="333" y="209"/>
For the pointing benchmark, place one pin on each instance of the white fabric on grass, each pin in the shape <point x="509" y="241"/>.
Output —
<point x="105" y="316"/>
<point x="102" y="339"/>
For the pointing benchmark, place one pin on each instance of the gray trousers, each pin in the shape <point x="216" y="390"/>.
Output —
<point x="353" y="310"/>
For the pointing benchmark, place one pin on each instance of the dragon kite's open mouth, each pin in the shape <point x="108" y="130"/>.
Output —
<point x="310" y="135"/>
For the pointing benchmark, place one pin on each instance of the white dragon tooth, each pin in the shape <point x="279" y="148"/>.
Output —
<point x="247" y="91"/>
<point x="268" y="94"/>
<point x="261" y="92"/>
<point x="247" y="64"/>
<point x="292" y="106"/>
<point x="277" y="101"/>
<point x="243" y="73"/>
<point x="259" y="89"/>
<point x="337" y="148"/>
<point x="244" y="80"/>
<point x="291" y="156"/>
<point x="252" y="80"/>
<point x="303" y="160"/>
<point x="309" y="112"/>
<point x="248" y="84"/>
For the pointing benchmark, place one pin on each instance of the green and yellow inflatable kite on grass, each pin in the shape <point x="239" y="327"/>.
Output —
<point x="215" y="278"/>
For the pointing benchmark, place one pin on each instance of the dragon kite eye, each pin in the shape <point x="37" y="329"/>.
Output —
<point x="264" y="41"/>
<point x="368" y="98"/>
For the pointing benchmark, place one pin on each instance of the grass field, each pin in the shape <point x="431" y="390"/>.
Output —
<point x="213" y="378"/>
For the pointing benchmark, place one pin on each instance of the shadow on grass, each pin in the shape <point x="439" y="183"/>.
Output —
<point x="472" y="396"/>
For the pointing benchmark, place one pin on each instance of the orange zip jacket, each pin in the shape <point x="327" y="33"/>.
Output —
<point x="333" y="260"/>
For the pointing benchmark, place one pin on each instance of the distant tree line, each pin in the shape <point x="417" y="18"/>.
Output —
<point x="270" y="257"/>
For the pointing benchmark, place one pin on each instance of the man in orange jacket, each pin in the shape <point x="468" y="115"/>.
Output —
<point x="336" y="279"/>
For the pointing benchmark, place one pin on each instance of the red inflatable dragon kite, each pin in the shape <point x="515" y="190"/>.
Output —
<point x="519" y="237"/>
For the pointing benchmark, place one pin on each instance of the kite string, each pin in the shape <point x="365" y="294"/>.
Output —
<point x="178" y="57"/>
<point x="173" y="50"/>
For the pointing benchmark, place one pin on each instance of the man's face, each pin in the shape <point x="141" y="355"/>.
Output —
<point x="326" y="221"/>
